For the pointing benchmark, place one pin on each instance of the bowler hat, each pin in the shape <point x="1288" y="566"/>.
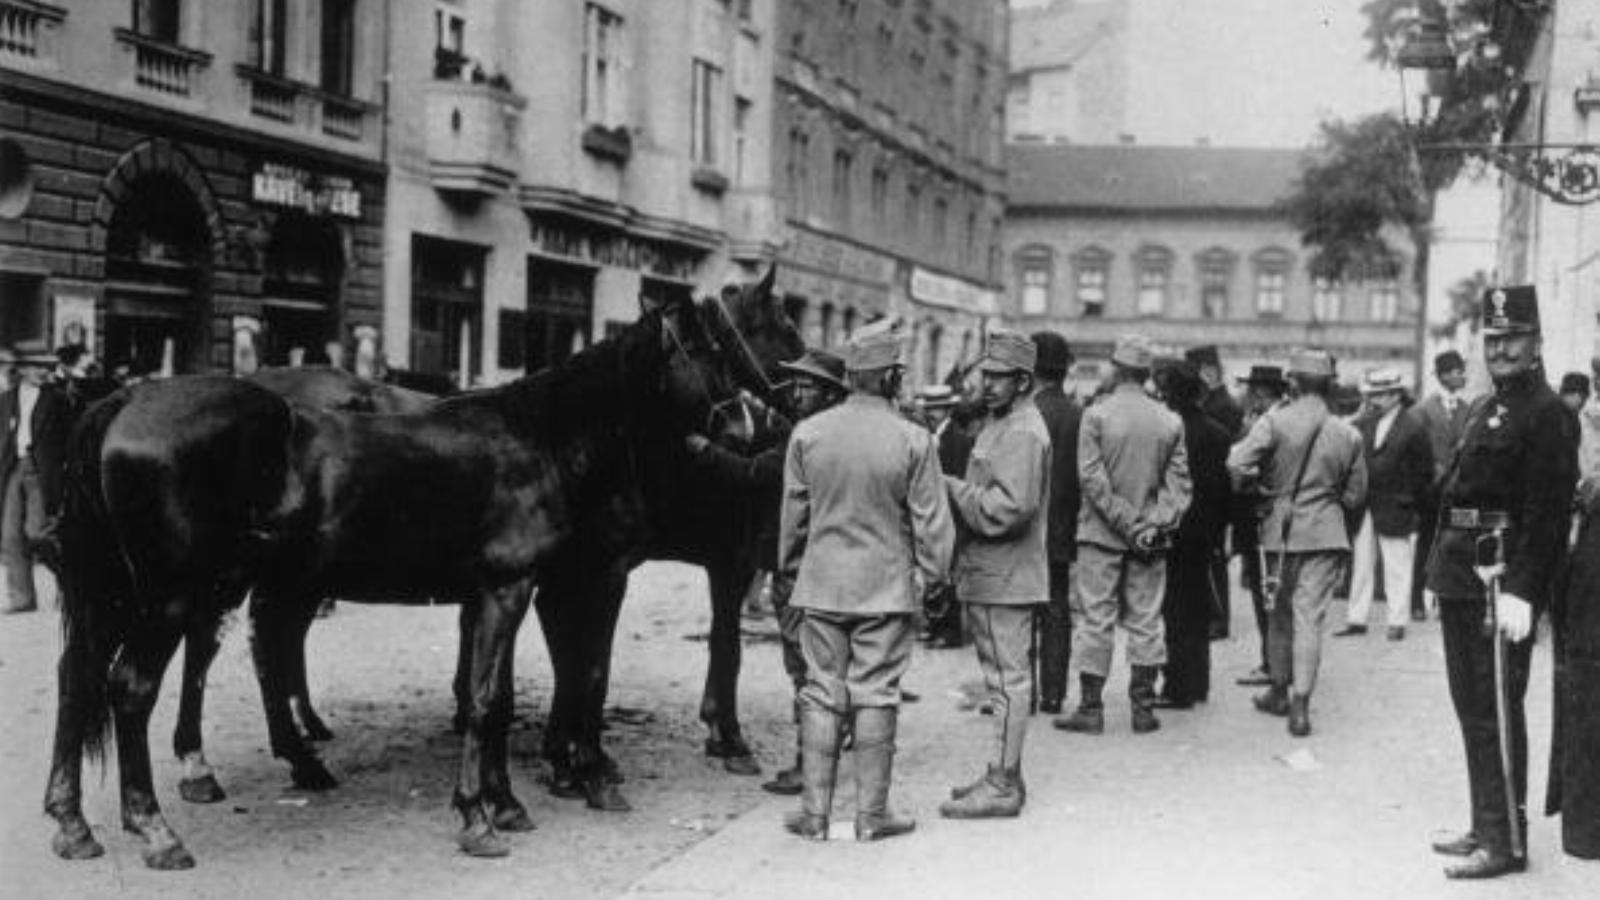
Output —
<point x="1575" y="383"/>
<point x="1203" y="355"/>
<point x="1316" y="363"/>
<point x="876" y="345"/>
<point x="1054" y="356"/>
<point x="1268" y="375"/>
<point x="1448" y="361"/>
<point x="1511" y="310"/>
<point x="1380" y="381"/>
<point x="1008" y="351"/>
<point x="1133" y="351"/>
<point x="821" y="365"/>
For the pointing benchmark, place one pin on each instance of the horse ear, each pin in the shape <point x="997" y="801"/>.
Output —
<point x="764" y="286"/>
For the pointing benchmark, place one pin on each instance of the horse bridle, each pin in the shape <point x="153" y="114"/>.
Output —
<point x="717" y="410"/>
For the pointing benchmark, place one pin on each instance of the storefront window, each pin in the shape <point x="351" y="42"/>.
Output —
<point x="446" y="308"/>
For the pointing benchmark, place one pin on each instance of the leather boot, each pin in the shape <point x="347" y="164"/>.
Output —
<point x="1299" y="715"/>
<point x="1090" y="716"/>
<point x="998" y="795"/>
<point x="1274" y="701"/>
<point x="819" y="742"/>
<point x="1142" y="694"/>
<point x="875" y="730"/>
<point x="788" y="781"/>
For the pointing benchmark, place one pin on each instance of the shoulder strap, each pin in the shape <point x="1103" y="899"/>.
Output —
<point x="1305" y="462"/>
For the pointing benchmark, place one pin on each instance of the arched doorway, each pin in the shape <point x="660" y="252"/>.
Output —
<point x="300" y="291"/>
<point x="158" y="253"/>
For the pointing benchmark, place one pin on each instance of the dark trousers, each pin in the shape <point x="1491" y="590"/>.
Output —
<point x="1250" y="574"/>
<point x="1055" y="636"/>
<point x="1426" y="527"/>
<point x="1469" y="663"/>
<point x="1188" y="611"/>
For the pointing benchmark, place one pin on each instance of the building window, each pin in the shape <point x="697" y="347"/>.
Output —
<point x="1327" y="301"/>
<point x="843" y="166"/>
<point x="880" y="197"/>
<point x="706" y="89"/>
<point x="1155" y="273"/>
<point x="1090" y="269"/>
<point x="1037" y="268"/>
<point x="969" y="240"/>
<point x="1383" y="299"/>
<point x="1272" y="281"/>
<point x="23" y="314"/>
<point x="339" y="47"/>
<point x="799" y="174"/>
<point x="930" y="359"/>
<point x="158" y="19"/>
<point x="601" y="100"/>
<point x="825" y="325"/>
<point x="941" y="215"/>
<point x="741" y="138"/>
<point x="913" y="212"/>
<point x="1216" y="274"/>
<point x="269" y="36"/>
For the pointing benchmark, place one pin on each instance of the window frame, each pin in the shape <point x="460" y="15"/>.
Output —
<point x="1271" y="282"/>
<point x="600" y="100"/>
<point x="1031" y="260"/>
<point x="1152" y="278"/>
<point x="1086" y="263"/>
<point x="705" y="101"/>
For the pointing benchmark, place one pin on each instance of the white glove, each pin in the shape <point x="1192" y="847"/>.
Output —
<point x="1515" y="617"/>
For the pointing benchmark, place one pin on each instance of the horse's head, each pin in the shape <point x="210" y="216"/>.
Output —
<point x="755" y="315"/>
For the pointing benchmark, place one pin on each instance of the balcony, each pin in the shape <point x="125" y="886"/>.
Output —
<point x="28" y="33"/>
<point x="307" y="108"/>
<point x="474" y="137"/>
<point x="162" y="68"/>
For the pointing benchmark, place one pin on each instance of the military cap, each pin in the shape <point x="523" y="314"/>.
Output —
<point x="1008" y="351"/>
<point x="1055" y="357"/>
<point x="1203" y="355"/>
<point x="1317" y="363"/>
<point x="876" y="345"/>
<point x="1448" y="361"/>
<point x="1511" y="310"/>
<point x="1269" y="375"/>
<point x="1380" y="381"/>
<point x="826" y="367"/>
<point x="1133" y="351"/>
<point x="936" y="396"/>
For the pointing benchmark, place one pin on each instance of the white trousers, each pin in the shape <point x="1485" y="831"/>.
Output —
<point x="1396" y="555"/>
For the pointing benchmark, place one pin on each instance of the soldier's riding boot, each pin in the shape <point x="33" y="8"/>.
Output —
<point x="1142" y="694"/>
<point x="1090" y="716"/>
<point x="1274" y="701"/>
<point x="788" y="781"/>
<point x="875" y="730"/>
<point x="819" y="743"/>
<point x="998" y="795"/>
<point x="1299" y="715"/>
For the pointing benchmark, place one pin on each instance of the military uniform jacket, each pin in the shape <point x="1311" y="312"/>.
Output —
<point x="1335" y="479"/>
<point x="865" y="524"/>
<point x="1516" y="456"/>
<point x="1133" y="468"/>
<point x="1002" y="500"/>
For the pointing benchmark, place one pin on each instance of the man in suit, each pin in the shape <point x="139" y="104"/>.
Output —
<point x="1216" y="402"/>
<point x="36" y="417"/>
<point x="1442" y="416"/>
<point x="1399" y="472"/>
<point x="1061" y="417"/>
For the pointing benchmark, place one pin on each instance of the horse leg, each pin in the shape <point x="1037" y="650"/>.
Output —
<point x="311" y="724"/>
<point x="63" y="799"/>
<point x="578" y="612"/>
<point x="460" y="686"/>
<point x="719" y="703"/>
<point x="135" y="684"/>
<point x="200" y="644"/>
<point x="509" y="813"/>
<point x="483" y="789"/>
<point x="274" y="629"/>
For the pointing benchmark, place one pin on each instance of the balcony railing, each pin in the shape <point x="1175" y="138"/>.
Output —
<point x="27" y="30"/>
<point x="162" y="67"/>
<point x="474" y="137"/>
<point x="345" y="117"/>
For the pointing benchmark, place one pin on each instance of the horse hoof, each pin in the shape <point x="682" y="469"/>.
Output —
<point x="741" y="765"/>
<point x="313" y="776"/>
<point x="170" y="858"/>
<point x="605" y="797"/>
<point x="76" y="846"/>
<point x="483" y="843"/>
<point x="204" y="789"/>
<point x="315" y="730"/>
<point x="513" y="818"/>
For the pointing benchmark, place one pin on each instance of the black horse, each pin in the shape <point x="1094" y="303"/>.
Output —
<point x="184" y="494"/>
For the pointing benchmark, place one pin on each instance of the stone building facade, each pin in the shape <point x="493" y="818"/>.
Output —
<point x="1184" y="245"/>
<point x="887" y="166"/>
<point x="191" y="187"/>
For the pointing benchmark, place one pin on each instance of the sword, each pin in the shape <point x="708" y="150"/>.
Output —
<point x="1490" y="565"/>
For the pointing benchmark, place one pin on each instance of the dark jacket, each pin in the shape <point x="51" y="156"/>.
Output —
<point x="1061" y="417"/>
<point x="1399" y="472"/>
<point x="52" y="418"/>
<point x="1226" y="411"/>
<point x="1207" y="443"/>
<point x="1515" y="456"/>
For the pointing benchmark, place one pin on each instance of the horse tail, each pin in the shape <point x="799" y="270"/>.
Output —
<point x="93" y="578"/>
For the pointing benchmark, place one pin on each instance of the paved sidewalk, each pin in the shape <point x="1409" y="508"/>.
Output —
<point x="1220" y="802"/>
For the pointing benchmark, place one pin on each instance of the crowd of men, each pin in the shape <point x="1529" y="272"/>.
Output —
<point x="1055" y="523"/>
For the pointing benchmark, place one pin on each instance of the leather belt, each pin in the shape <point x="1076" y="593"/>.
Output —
<point x="1486" y="519"/>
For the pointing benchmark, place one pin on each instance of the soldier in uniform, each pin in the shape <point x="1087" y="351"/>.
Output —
<point x="865" y="526"/>
<point x="1264" y="390"/>
<point x="1513" y="472"/>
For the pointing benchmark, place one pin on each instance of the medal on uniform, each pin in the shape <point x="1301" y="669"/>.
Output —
<point x="1495" y="421"/>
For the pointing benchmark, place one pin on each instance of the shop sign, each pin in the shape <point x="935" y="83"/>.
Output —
<point x="614" y="248"/>
<point x="953" y="293"/>
<point x="275" y="184"/>
<point x="820" y="289"/>
<point x="834" y="257"/>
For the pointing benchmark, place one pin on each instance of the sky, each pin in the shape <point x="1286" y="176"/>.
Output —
<point x="1256" y="73"/>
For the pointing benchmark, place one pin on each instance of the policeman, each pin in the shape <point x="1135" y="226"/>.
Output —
<point x="1512" y="473"/>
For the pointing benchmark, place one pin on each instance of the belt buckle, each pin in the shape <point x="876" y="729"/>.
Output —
<point x="1463" y="518"/>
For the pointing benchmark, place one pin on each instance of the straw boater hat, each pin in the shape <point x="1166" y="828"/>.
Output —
<point x="1380" y="381"/>
<point x="825" y="367"/>
<point x="937" y="396"/>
